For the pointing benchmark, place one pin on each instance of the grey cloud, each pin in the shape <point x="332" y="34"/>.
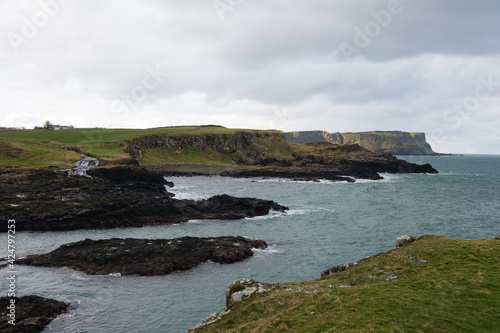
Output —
<point x="264" y="57"/>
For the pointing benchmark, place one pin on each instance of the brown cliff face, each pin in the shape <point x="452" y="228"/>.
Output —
<point x="221" y="143"/>
<point x="394" y="142"/>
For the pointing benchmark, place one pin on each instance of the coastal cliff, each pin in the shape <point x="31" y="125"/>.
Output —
<point x="429" y="283"/>
<point x="209" y="150"/>
<point x="247" y="153"/>
<point x="220" y="143"/>
<point x="394" y="142"/>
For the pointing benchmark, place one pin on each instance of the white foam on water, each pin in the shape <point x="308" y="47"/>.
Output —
<point x="297" y="212"/>
<point x="387" y="178"/>
<point x="79" y="276"/>
<point x="274" y="214"/>
<point x="270" y="250"/>
<point x="195" y="222"/>
<point x="293" y="181"/>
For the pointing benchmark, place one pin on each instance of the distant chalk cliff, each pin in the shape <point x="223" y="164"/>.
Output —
<point x="394" y="142"/>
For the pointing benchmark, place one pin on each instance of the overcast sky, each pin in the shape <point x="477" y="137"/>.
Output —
<point x="431" y="66"/>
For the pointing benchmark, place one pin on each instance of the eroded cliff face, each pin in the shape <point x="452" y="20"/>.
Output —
<point x="221" y="143"/>
<point x="394" y="142"/>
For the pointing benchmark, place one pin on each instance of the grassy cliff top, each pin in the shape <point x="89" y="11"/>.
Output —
<point x="107" y="135"/>
<point x="37" y="148"/>
<point x="190" y="145"/>
<point x="434" y="284"/>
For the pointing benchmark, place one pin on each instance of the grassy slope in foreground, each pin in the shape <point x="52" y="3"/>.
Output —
<point x="435" y="284"/>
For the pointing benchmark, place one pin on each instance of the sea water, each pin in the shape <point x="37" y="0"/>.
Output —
<point x="329" y="223"/>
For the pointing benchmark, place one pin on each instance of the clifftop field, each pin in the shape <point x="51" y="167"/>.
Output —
<point x="207" y="145"/>
<point x="38" y="148"/>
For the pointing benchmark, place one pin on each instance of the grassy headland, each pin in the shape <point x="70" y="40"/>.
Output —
<point x="37" y="148"/>
<point x="434" y="284"/>
<point x="215" y="145"/>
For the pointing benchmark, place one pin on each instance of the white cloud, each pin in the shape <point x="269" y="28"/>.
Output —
<point x="267" y="64"/>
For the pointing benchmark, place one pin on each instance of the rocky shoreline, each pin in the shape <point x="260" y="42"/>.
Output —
<point x="126" y="196"/>
<point x="145" y="257"/>
<point x="32" y="313"/>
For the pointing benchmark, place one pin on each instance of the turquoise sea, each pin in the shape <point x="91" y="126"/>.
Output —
<point x="328" y="224"/>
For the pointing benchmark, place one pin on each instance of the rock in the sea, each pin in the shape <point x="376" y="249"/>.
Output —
<point x="32" y="313"/>
<point x="403" y="240"/>
<point x="145" y="256"/>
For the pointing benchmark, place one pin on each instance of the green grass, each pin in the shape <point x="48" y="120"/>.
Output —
<point x="432" y="285"/>
<point x="35" y="154"/>
<point x="36" y="148"/>
<point x="186" y="155"/>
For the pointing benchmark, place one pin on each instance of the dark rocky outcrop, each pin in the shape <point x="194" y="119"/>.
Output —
<point x="337" y="269"/>
<point x="32" y="313"/>
<point x="42" y="199"/>
<point x="404" y="240"/>
<point x="145" y="256"/>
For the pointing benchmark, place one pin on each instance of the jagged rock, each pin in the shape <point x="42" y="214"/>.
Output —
<point x="337" y="269"/>
<point x="242" y="289"/>
<point x="403" y="240"/>
<point x="209" y="320"/>
<point x="145" y="256"/>
<point x="32" y="313"/>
